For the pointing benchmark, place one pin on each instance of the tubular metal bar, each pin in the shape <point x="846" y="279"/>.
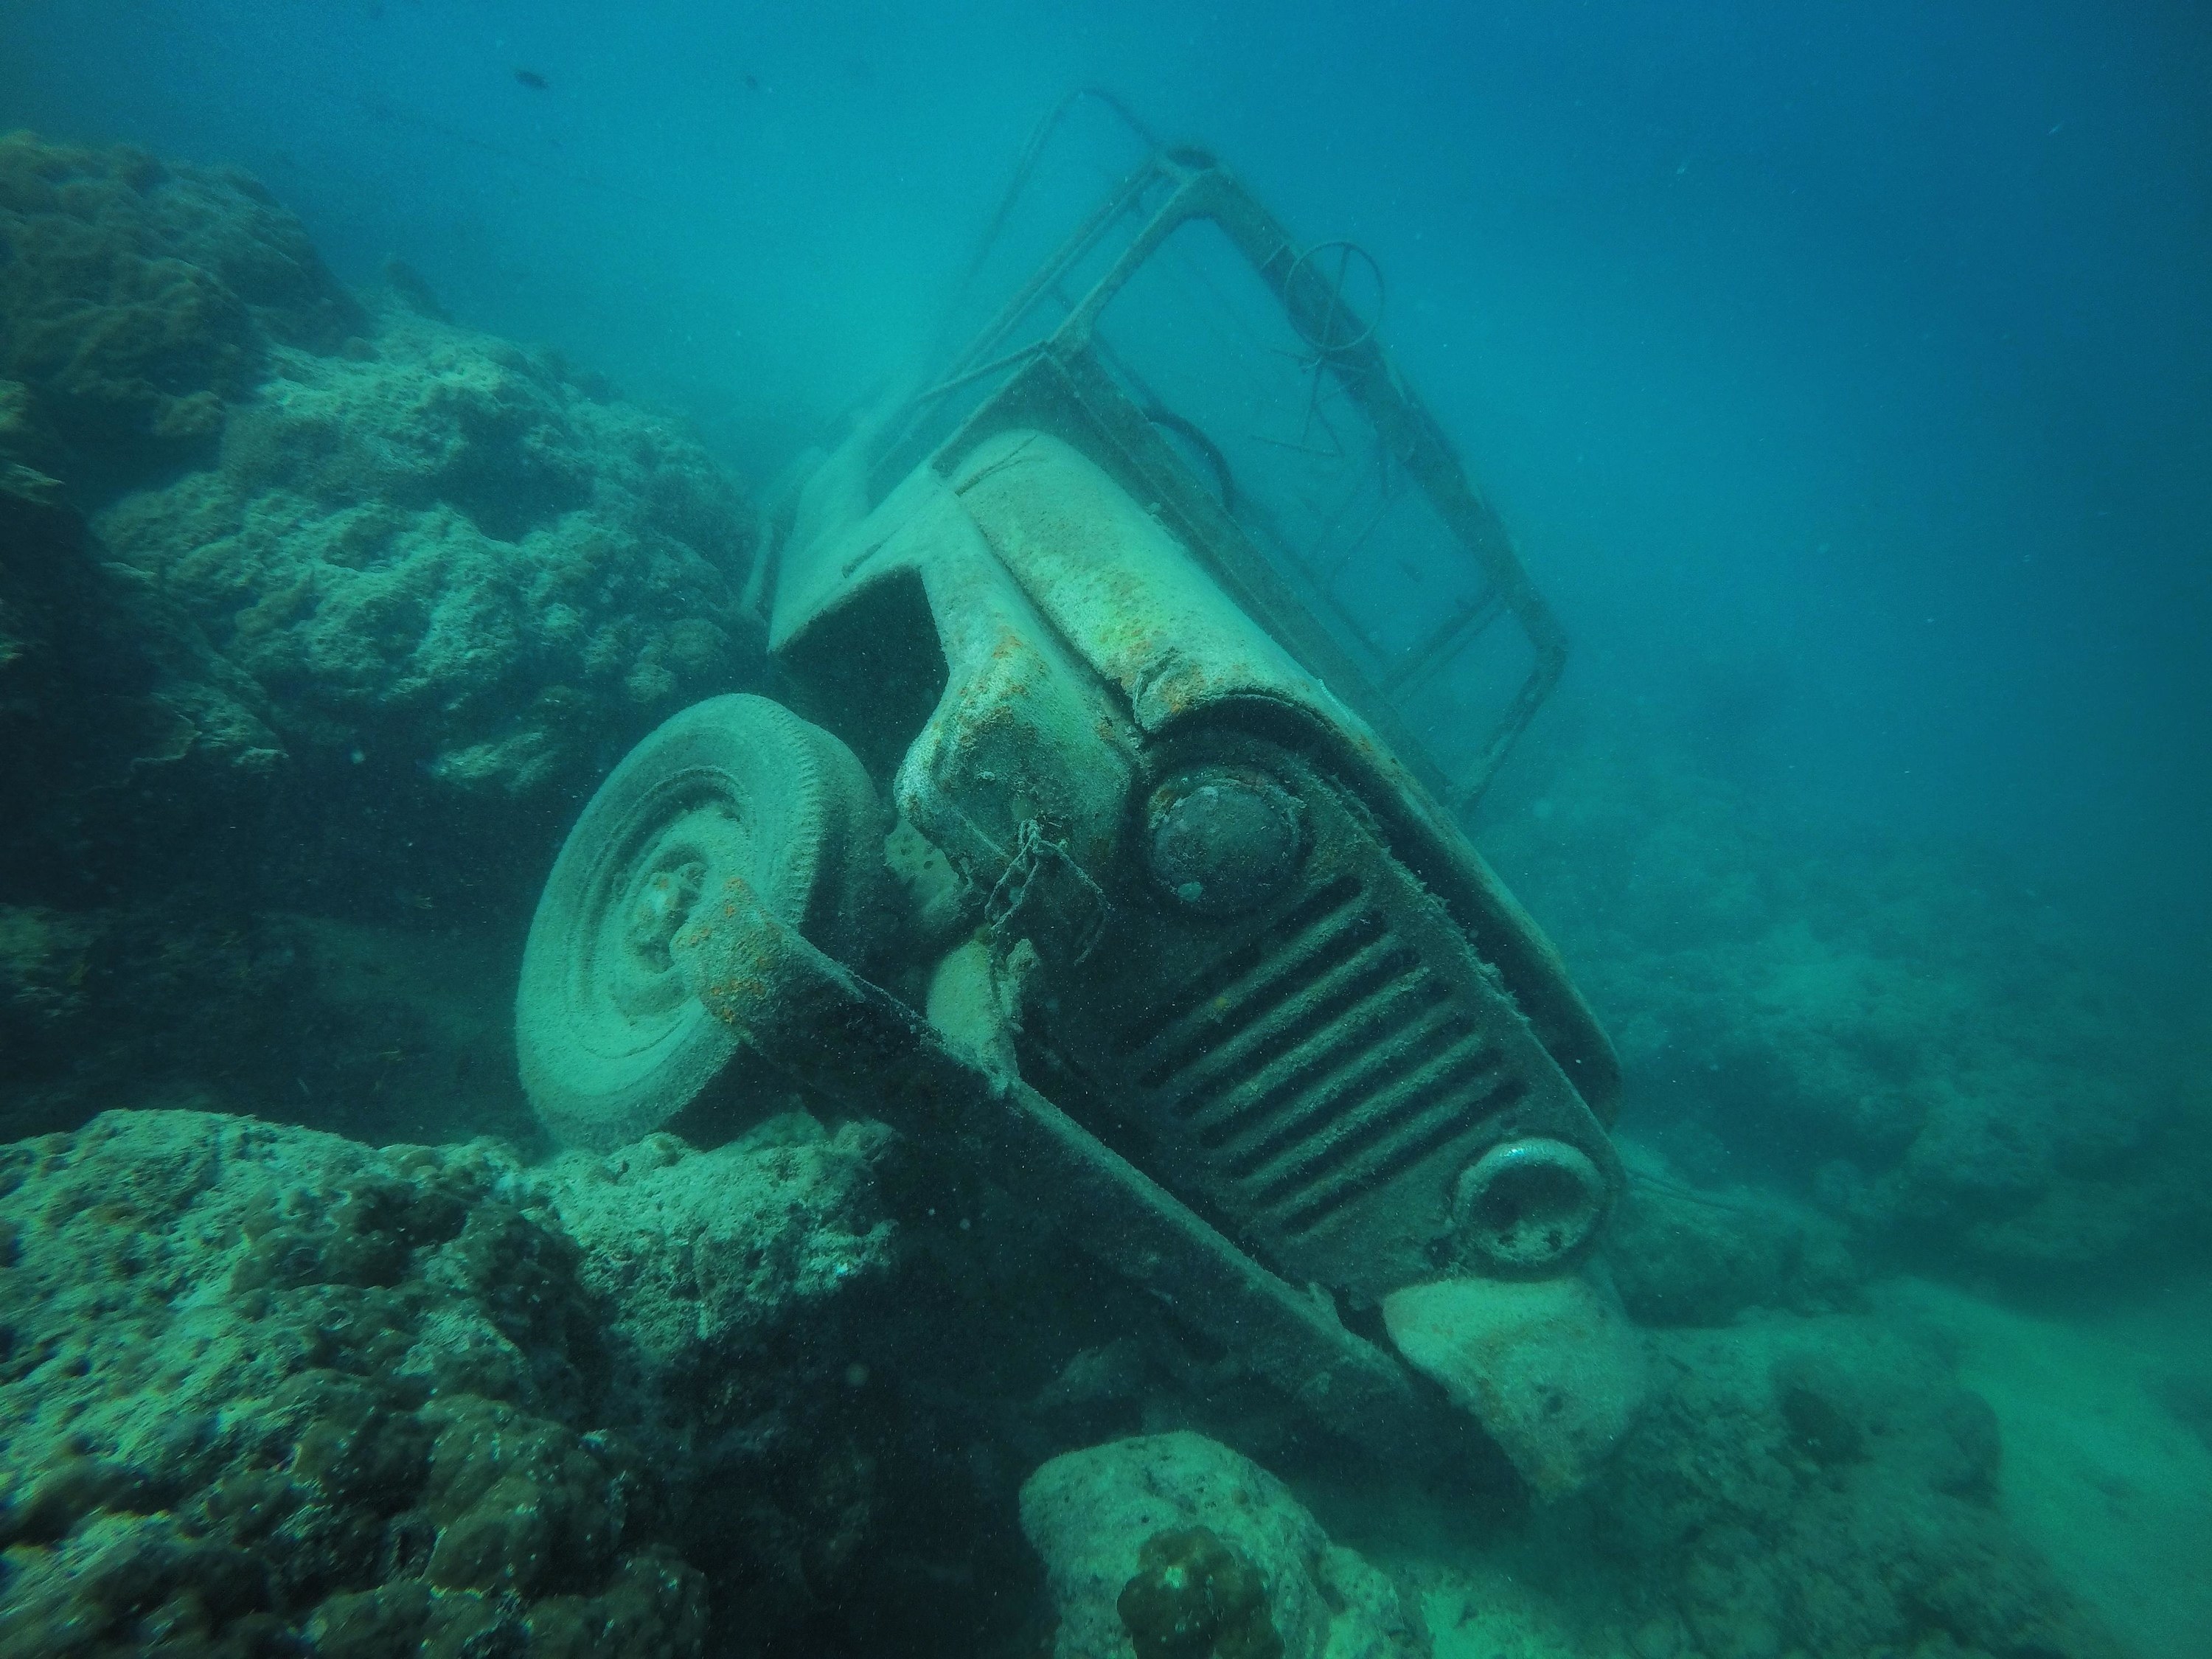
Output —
<point x="1026" y="164"/>
<point x="1369" y="376"/>
<point x="1463" y="628"/>
<point x="1012" y="360"/>
<point x="963" y="368"/>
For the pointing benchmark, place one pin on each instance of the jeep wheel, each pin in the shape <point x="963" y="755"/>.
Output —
<point x="613" y="1039"/>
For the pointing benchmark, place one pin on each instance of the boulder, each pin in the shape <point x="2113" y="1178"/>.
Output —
<point x="1173" y="1546"/>
<point x="1551" y="1367"/>
<point x="444" y="556"/>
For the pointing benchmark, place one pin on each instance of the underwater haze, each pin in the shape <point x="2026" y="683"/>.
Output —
<point x="1844" y="370"/>
<point x="404" y="406"/>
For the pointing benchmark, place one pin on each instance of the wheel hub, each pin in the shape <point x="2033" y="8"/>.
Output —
<point x="661" y="904"/>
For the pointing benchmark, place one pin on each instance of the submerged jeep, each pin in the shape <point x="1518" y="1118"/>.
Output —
<point x="1136" y="672"/>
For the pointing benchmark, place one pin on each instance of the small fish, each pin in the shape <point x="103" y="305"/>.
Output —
<point x="534" y="79"/>
<point x="752" y="84"/>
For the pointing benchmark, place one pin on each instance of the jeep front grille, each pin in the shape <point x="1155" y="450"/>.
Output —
<point x="1314" y="1065"/>
<point x="1320" y="1071"/>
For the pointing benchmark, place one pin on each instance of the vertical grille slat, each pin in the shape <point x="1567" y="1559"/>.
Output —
<point x="1315" y="1060"/>
<point x="1450" y="1076"/>
<point x="1309" y="1074"/>
<point x="1412" y="1143"/>
<point x="1279" y="976"/>
<point x="1282" y="1037"/>
<point x="1303" y="1209"/>
<point x="1390" y="1031"/>
<point x="1195" y="996"/>
<point x="1411" y="1060"/>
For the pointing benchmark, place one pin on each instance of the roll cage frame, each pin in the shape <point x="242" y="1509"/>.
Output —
<point x="1071" y="367"/>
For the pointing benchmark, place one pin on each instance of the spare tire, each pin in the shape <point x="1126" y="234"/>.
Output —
<point x="611" y="1038"/>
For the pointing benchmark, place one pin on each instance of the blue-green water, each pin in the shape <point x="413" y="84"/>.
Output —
<point x="1844" y="377"/>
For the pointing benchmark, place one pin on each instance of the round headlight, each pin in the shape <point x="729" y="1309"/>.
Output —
<point x="1222" y="842"/>
<point x="1527" y="1204"/>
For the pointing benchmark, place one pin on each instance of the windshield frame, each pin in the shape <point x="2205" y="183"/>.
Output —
<point x="1066" y="368"/>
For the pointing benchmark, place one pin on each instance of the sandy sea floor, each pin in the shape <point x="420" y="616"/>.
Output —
<point x="2098" y="1471"/>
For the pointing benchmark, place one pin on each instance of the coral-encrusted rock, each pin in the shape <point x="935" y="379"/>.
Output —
<point x="733" y="1339"/>
<point x="423" y="577"/>
<point x="1821" y="1487"/>
<point x="705" y="1254"/>
<point x="118" y="723"/>
<point x="137" y="296"/>
<point x="445" y="558"/>
<point x="1172" y="1544"/>
<point x="1893" y="1028"/>
<point x="266" y="1385"/>
<point x="1680" y="1256"/>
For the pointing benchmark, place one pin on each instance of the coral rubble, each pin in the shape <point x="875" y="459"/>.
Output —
<point x="1821" y="1487"/>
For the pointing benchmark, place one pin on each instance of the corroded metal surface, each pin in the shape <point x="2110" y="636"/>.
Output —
<point x="1132" y="600"/>
<point x="1319" y="1069"/>
<point x="858" y="1044"/>
<point x="1199" y="877"/>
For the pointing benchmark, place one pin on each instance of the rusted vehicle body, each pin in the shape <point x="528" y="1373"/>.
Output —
<point x="1103" y="828"/>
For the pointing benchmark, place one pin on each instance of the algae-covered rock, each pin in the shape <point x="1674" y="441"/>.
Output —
<point x="1193" y="1595"/>
<point x="1173" y="1546"/>
<point x="123" y="736"/>
<point x="423" y="583"/>
<point x="137" y="297"/>
<point x="715" y="1247"/>
<point x="264" y="1387"/>
<point x="443" y="556"/>
<point x="741" y="1285"/>
<point x="254" y="1369"/>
